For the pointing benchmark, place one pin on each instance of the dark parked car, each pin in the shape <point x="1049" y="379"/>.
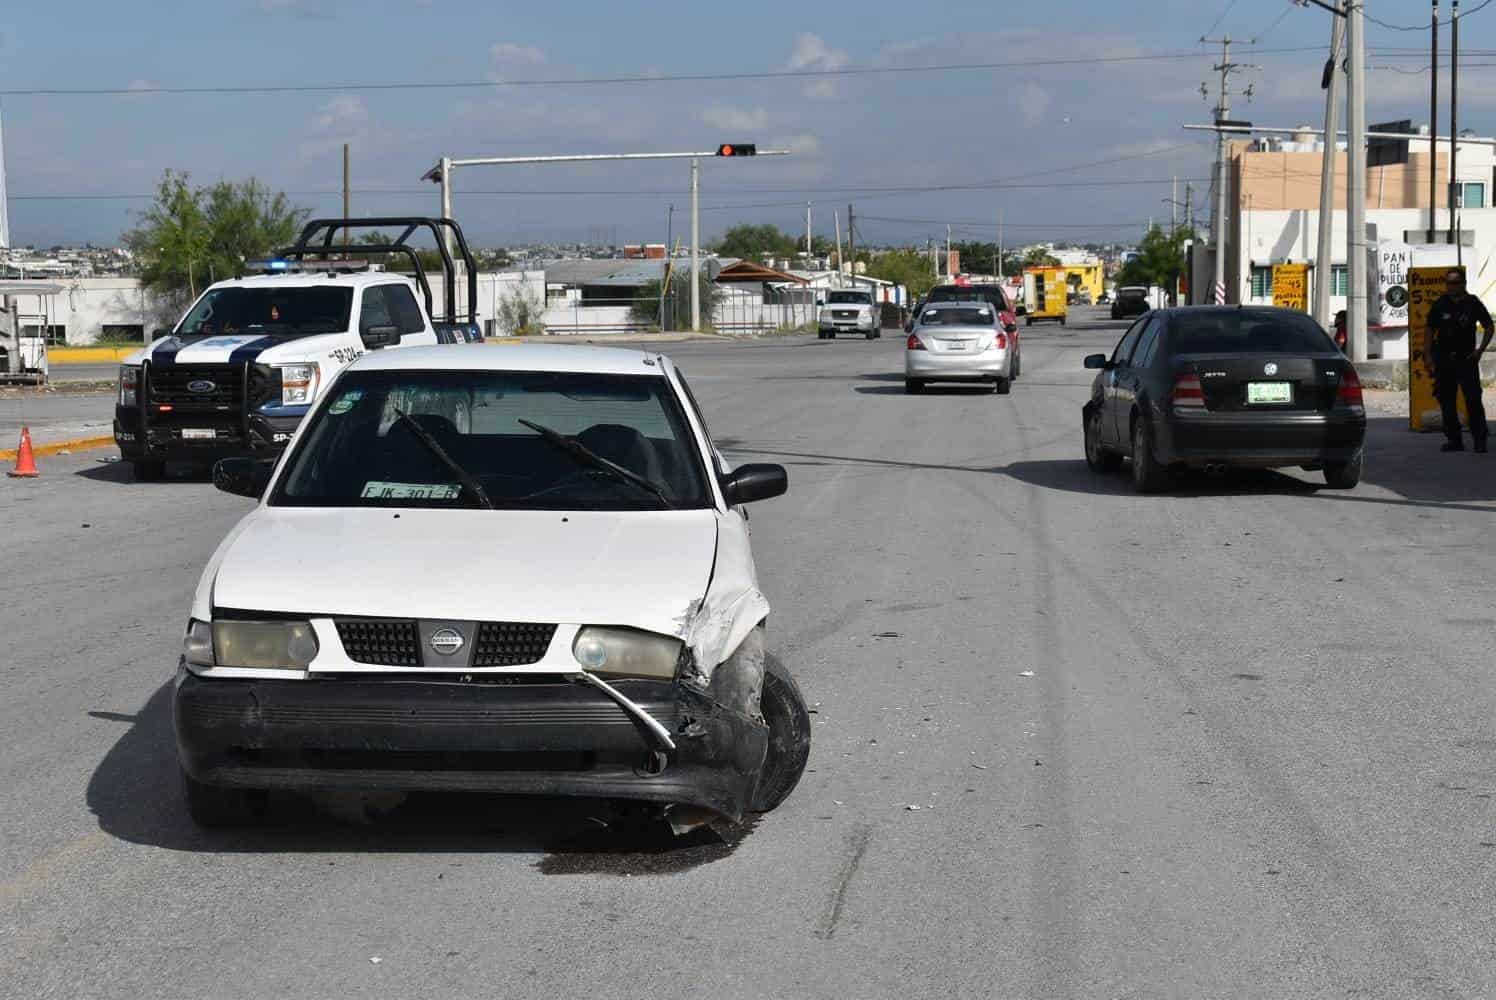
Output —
<point x="1130" y="302"/>
<point x="1215" y="386"/>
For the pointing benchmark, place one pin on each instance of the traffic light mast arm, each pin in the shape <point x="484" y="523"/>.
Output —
<point x="434" y="174"/>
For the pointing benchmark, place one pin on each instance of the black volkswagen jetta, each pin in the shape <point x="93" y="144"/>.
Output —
<point x="1213" y="386"/>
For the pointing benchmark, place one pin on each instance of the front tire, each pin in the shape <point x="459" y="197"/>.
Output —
<point x="1097" y="456"/>
<point x="1148" y="476"/>
<point x="783" y="708"/>
<point x="148" y="471"/>
<point x="213" y="807"/>
<point x="1345" y="475"/>
<point x="1002" y="386"/>
<point x="913" y="386"/>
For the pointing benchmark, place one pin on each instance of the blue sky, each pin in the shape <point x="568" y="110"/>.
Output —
<point x="847" y="133"/>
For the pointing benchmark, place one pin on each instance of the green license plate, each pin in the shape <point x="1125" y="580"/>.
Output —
<point x="1269" y="392"/>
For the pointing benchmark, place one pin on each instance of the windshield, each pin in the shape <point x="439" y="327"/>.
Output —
<point x="1132" y="293"/>
<point x="269" y="311"/>
<point x="491" y="428"/>
<point x="1247" y="331"/>
<point x="956" y="316"/>
<point x="850" y="298"/>
<point x="964" y="295"/>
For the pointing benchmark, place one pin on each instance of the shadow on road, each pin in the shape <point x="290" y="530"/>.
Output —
<point x="135" y="793"/>
<point x="122" y="474"/>
<point x="1075" y="476"/>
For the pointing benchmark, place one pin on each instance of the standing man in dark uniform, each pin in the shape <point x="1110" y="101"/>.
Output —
<point x="1451" y="322"/>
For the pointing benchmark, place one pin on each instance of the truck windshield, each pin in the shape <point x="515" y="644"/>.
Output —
<point x="513" y="433"/>
<point x="849" y="298"/>
<point x="269" y="311"/>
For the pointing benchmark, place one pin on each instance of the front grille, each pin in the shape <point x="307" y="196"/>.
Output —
<point x="844" y="313"/>
<point x="381" y="642"/>
<point x="511" y="644"/>
<point x="169" y="384"/>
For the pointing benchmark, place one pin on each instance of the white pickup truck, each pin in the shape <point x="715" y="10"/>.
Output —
<point x="849" y="310"/>
<point x="250" y="356"/>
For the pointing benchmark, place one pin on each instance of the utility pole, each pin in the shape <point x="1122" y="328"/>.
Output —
<point x="1222" y="114"/>
<point x="852" y="243"/>
<point x="948" y="273"/>
<point x="1189" y="208"/>
<point x="999" y="244"/>
<point x="1324" y="260"/>
<point x="808" y="243"/>
<point x="1454" y="130"/>
<point x="1433" y="125"/>
<point x="836" y="218"/>
<point x="1173" y="207"/>
<point x="695" y="246"/>
<point x="346" y="192"/>
<point x="1355" y="194"/>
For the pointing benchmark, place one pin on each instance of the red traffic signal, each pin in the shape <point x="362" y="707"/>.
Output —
<point x="737" y="149"/>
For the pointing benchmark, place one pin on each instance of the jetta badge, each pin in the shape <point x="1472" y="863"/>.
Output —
<point x="201" y="385"/>
<point x="446" y="641"/>
<point x="1270" y="369"/>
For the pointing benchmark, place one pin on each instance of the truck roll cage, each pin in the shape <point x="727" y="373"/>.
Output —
<point x="316" y="240"/>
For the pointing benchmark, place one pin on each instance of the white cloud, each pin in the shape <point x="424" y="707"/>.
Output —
<point x="510" y="54"/>
<point x="341" y="112"/>
<point x="1034" y="102"/>
<point x="733" y="118"/>
<point x="799" y="145"/>
<point x="812" y="53"/>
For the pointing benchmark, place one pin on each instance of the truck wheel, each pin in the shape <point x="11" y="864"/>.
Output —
<point x="1002" y="386"/>
<point x="871" y="334"/>
<point x="147" y="471"/>
<point x="211" y="806"/>
<point x="789" y="737"/>
<point x="913" y="386"/>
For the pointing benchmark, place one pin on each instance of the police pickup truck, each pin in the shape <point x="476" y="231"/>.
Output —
<point x="243" y="366"/>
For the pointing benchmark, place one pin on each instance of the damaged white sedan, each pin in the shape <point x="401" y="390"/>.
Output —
<point x="521" y="569"/>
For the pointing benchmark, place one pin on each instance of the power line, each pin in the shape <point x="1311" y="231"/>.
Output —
<point x="1422" y="27"/>
<point x="306" y="88"/>
<point x="1219" y="18"/>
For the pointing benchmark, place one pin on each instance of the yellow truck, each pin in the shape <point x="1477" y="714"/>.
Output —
<point x="1044" y="294"/>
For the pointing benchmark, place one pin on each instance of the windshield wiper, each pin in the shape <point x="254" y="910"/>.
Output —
<point x="463" y="476"/>
<point x="587" y="456"/>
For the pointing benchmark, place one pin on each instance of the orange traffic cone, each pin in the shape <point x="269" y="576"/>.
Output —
<point x="25" y="460"/>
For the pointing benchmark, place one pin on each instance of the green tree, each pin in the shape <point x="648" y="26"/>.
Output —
<point x="521" y="312"/>
<point x="1040" y="257"/>
<point x="1160" y="259"/>
<point x="190" y="237"/>
<point x="909" y="268"/>
<point x="756" y="243"/>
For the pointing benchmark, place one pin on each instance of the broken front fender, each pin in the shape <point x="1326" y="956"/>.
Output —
<point x="716" y="626"/>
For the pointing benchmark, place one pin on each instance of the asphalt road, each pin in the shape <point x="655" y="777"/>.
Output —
<point x="1255" y="757"/>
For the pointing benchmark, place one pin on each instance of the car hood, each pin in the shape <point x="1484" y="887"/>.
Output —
<point x="645" y="569"/>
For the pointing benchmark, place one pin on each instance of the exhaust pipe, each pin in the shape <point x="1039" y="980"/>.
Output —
<point x="1215" y="468"/>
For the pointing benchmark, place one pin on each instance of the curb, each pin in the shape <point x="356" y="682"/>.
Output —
<point x="76" y="444"/>
<point x="88" y="355"/>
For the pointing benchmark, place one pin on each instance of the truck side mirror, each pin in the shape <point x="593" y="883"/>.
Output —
<point x="1020" y="310"/>
<point x="376" y="337"/>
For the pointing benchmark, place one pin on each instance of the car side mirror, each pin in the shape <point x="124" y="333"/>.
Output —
<point x="1096" y="361"/>
<point x="376" y="337"/>
<point x="1020" y="311"/>
<point x="908" y="326"/>
<point x="243" y="477"/>
<point x="748" y="483"/>
<point x="820" y="300"/>
<point x="160" y="332"/>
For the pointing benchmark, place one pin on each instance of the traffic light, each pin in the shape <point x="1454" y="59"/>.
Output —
<point x="737" y="149"/>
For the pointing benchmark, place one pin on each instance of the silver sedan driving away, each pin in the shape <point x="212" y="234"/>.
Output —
<point x="961" y="342"/>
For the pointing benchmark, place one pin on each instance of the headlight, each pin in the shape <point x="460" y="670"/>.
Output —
<point x="298" y="383"/>
<point x="129" y="384"/>
<point x="284" y="645"/>
<point x="626" y="652"/>
<point x="197" y="644"/>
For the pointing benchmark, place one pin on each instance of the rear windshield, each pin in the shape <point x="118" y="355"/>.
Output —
<point x="1247" y="331"/>
<point x="849" y="298"/>
<point x="956" y="316"/>
<point x="965" y="295"/>
<point x="1132" y="293"/>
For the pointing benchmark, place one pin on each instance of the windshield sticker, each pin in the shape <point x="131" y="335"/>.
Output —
<point x="345" y="402"/>
<point x="410" y="491"/>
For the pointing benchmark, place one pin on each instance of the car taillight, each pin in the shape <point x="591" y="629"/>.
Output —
<point x="914" y="343"/>
<point x="1000" y="343"/>
<point x="1187" y="393"/>
<point x="1349" y="392"/>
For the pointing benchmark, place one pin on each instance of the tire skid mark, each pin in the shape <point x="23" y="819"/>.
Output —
<point x="862" y="833"/>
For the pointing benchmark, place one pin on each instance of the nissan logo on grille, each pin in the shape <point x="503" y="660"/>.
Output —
<point x="446" y="641"/>
<point x="201" y="385"/>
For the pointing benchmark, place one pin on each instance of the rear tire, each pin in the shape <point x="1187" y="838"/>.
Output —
<point x="913" y="386"/>
<point x="871" y="334"/>
<point x="1097" y="456"/>
<point x="1345" y="475"/>
<point x="211" y="806"/>
<point x="784" y="712"/>
<point x="1002" y="386"/>
<point x="147" y="471"/>
<point x="1148" y="476"/>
